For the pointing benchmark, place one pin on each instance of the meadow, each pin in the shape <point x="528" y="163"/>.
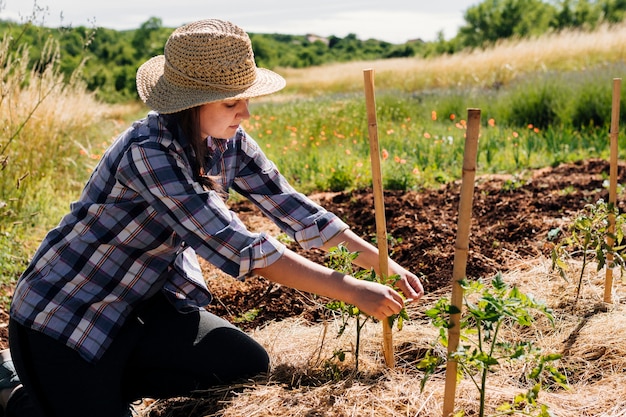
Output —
<point x="543" y="101"/>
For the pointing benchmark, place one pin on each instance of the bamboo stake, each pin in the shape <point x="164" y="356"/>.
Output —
<point x="379" y="203"/>
<point x="608" y="281"/>
<point x="461" y="248"/>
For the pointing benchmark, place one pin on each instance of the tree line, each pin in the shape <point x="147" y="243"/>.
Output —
<point x="108" y="59"/>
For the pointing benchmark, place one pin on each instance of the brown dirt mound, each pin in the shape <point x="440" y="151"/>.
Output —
<point x="511" y="218"/>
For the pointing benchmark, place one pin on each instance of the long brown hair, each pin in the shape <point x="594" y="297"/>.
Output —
<point x="189" y="122"/>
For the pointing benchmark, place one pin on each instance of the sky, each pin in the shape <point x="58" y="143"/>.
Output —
<point x="395" y="21"/>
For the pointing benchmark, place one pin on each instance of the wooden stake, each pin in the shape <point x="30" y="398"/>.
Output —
<point x="461" y="248"/>
<point x="608" y="281"/>
<point x="379" y="203"/>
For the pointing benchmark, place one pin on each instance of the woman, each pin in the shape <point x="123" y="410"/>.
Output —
<point x="111" y="307"/>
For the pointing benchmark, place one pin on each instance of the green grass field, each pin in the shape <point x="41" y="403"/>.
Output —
<point x="543" y="101"/>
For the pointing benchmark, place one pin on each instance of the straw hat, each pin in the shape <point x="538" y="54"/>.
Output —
<point x="205" y="61"/>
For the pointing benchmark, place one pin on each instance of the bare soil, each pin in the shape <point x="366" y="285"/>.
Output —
<point x="511" y="218"/>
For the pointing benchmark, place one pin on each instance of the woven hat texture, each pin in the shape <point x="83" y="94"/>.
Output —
<point x="204" y="61"/>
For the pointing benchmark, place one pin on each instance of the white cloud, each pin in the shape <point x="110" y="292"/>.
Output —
<point x="389" y="20"/>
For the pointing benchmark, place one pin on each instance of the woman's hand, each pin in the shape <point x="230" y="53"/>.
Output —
<point x="408" y="283"/>
<point x="374" y="299"/>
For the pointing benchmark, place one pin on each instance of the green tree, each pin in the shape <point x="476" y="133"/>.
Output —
<point x="613" y="11"/>
<point x="492" y="20"/>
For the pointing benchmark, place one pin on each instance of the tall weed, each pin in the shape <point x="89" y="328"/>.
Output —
<point x="51" y="137"/>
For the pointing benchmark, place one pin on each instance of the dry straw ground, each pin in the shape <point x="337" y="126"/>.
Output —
<point x="591" y="336"/>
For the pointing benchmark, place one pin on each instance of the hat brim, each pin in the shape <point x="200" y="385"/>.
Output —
<point x="164" y="97"/>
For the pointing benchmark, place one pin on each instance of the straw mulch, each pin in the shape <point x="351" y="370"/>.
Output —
<point x="589" y="333"/>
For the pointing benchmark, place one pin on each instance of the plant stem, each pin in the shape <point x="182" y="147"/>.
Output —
<point x="582" y="271"/>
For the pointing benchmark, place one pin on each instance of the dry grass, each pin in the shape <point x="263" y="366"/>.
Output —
<point x="498" y="65"/>
<point x="589" y="333"/>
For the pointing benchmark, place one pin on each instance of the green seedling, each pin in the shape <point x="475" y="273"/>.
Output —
<point x="587" y="237"/>
<point x="341" y="259"/>
<point x="488" y="309"/>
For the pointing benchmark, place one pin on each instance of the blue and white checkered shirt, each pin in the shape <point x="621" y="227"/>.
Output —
<point x="138" y="225"/>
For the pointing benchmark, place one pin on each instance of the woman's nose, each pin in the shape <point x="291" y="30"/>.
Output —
<point x="244" y="112"/>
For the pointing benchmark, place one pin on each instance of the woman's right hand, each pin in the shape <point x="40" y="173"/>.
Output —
<point x="375" y="299"/>
<point x="295" y="271"/>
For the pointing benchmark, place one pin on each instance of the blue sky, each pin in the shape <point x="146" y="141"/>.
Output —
<point x="391" y="20"/>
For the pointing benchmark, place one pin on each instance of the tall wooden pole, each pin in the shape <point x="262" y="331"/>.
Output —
<point x="608" y="281"/>
<point x="379" y="203"/>
<point x="461" y="249"/>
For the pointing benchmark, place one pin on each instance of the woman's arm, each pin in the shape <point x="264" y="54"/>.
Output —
<point x="295" y="271"/>
<point x="408" y="283"/>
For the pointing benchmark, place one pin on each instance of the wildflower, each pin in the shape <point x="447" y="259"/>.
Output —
<point x="390" y="132"/>
<point x="427" y="135"/>
<point x="416" y="171"/>
<point x="536" y="130"/>
<point x="530" y="126"/>
<point x="348" y="152"/>
<point x="402" y="161"/>
<point x="492" y="122"/>
<point x="385" y="154"/>
<point x="452" y="116"/>
<point x="515" y="134"/>
<point x="268" y="145"/>
<point x="433" y="115"/>
<point x="396" y="159"/>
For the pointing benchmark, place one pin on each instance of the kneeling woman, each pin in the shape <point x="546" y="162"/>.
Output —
<point x="111" y="308"/>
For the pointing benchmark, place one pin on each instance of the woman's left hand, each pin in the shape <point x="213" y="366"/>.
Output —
<point x="408" y="283"/>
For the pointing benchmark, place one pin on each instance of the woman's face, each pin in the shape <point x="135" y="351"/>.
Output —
<point x="221" y="119"/>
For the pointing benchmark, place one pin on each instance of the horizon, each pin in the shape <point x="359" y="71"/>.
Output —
<point x="394" y="21"/>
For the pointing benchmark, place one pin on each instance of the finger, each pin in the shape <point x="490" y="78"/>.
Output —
<point x="413" y="290"/>
<point x="395" y="307"/>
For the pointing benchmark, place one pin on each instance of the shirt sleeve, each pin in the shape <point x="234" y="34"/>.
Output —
<point x="162" y="176"/>
<point x="303" y="220"/>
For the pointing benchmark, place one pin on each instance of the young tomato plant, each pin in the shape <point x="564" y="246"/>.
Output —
<point x="341" y="259"/>
<point x="588" y="238"/>
<point x="487" y="310"/>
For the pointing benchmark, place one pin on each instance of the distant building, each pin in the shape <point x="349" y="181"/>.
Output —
<point x="314" y="38"/>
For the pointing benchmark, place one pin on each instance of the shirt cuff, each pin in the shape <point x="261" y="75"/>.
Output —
<point x="261" y="253"/>
<point x="321" y="231"/>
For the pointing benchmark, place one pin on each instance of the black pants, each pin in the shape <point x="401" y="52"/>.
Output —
<point x="159" y="353"/>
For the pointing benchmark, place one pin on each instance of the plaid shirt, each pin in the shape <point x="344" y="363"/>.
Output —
<point x="138" y="225"/>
